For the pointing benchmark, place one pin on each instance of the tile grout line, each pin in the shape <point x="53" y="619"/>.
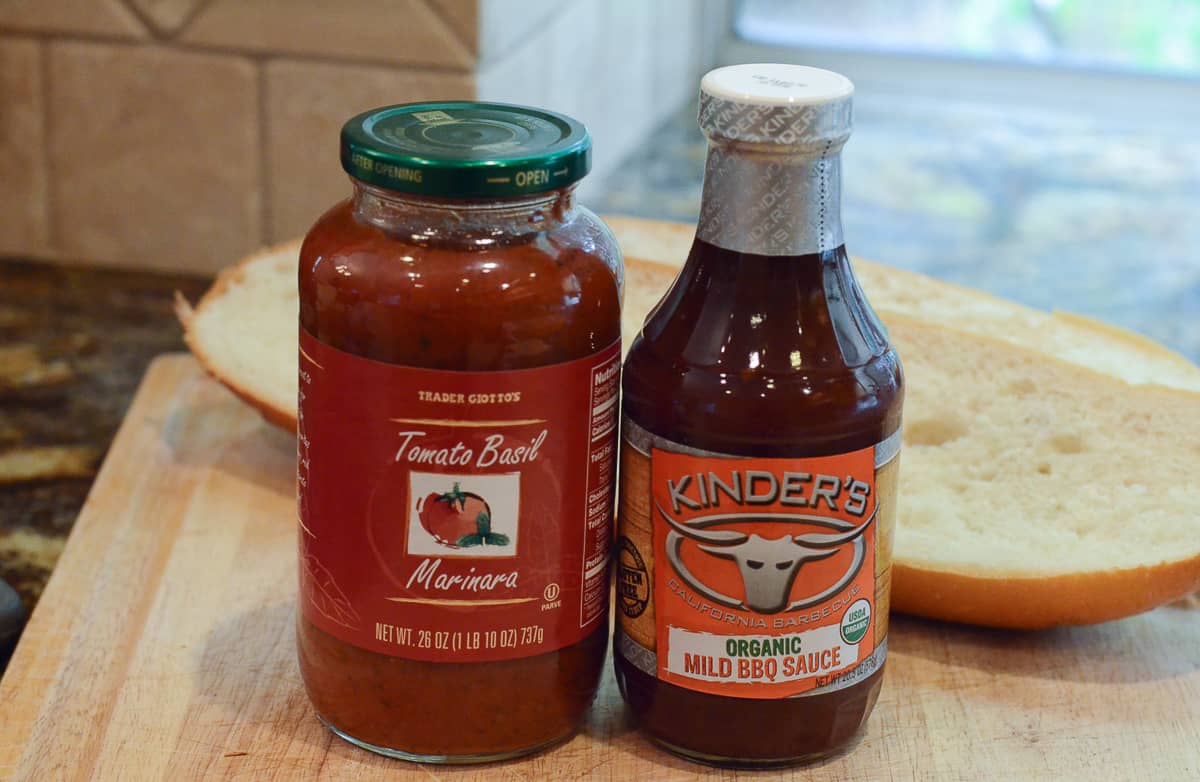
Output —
<point x="49" y="190"/>
<point x="266" y="203"/>
<point x="216" y="50"/>
<point x="472" y="51"/>
<point x="143" y="19"/>
<point x="160" y="33"/>
<point x="198" y="9"/>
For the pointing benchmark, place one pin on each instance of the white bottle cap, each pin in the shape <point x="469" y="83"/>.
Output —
<point x="764" y="103"/>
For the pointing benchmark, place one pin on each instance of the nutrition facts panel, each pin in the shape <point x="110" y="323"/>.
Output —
<point x="602" y="450"/>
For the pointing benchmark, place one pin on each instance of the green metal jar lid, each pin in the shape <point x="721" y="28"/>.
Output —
<point x="465" y="149"/>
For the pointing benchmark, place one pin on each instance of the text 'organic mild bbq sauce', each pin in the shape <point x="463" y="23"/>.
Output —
<point x="459" y="371"/>
<point x="761" y="429"/>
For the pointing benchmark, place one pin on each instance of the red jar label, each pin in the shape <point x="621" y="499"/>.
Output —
<point x="455" y="516"/>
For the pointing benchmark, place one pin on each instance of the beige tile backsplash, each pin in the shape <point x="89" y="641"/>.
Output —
<point x="107" y="18"/>
<point x="409" y="32"/>
<point x="167" y="17"/>
<point x="182" y="134"/>
<point x="24" y="222"/>
<point x="306" y="105"/>
<point x="154" y="156"/>
<point x="463" y="18"/>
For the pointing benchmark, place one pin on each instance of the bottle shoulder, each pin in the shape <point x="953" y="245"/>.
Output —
<point x="758" y="413"/>
<point x="765" y="358"/>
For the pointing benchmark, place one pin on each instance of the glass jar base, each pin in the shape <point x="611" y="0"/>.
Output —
<point x="755" y="764"/>
<point x="444" y="760"/>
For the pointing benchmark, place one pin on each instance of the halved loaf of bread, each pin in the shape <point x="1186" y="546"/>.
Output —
<point x="1034" y="492"/>
<point x="1046" y="478"/>
<point x="244" y="330"/>
<point x="892" y="291"/>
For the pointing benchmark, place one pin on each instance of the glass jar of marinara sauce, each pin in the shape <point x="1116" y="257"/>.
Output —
<point x="459" y="371"/>
<point x="761" y="433"/>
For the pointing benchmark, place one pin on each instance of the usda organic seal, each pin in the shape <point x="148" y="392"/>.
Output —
<point x="856" y="620"/>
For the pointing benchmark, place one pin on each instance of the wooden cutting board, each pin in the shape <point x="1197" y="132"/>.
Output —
<point x="163" y="649"/>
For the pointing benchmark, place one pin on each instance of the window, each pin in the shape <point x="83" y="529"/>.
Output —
<point x="1042" y="150"/>
<point x="1146" y="36"/>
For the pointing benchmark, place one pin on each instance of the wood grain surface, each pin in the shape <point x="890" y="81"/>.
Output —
<point x="163" y="649"/>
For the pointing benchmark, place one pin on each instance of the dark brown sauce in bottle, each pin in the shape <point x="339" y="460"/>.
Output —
<point x="760" y="356"/>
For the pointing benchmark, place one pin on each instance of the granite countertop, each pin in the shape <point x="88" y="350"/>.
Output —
<point x="74" y="344"/>
<point x="1098" y="216"/>
<point x="1053" y="211"/>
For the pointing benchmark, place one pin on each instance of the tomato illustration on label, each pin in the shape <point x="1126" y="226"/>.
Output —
<point x="459" y="519"/>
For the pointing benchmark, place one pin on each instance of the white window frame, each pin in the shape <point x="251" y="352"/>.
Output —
<point x="1121" y="96"/>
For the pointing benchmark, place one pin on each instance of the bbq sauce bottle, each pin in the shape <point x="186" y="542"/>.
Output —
<point x="761" y="430"/>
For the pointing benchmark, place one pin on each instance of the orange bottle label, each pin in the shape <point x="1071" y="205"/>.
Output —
<point x="769" y="577"/>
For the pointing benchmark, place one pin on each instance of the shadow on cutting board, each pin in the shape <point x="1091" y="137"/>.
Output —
<point x="220" y="432"/>
<point x="249" y="701"/>
<point x="1157" y="645"/>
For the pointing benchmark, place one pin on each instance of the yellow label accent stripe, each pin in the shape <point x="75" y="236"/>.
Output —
<point x="310" y="358"/>
<point x="431" y="601"/>
<point x="452" y="422"/>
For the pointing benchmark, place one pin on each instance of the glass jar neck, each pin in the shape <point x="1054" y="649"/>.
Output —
<point x="772" y="200"/>
<point x="478" y="222"/>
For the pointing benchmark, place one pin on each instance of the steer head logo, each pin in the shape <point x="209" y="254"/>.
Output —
<point x="768" y="566"/>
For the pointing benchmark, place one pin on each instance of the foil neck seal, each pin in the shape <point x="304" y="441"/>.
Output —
<point x="772" y="181"/>
<point x="816" y="129"/>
